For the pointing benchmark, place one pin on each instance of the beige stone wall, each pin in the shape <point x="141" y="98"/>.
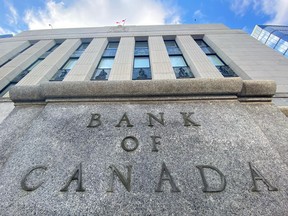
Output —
<point x="161" y="67"/>
<point x="8" y="50"/>
<point x="51" y="64"/>
<point x="250" y="59"/>
<point x="196" y="59"/>
<point x="88" y="61"/>
<point x="10" y="70"/>
<point x="123" y="63"/>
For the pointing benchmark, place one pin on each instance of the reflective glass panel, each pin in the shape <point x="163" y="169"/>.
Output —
<point x="177" y="61"/>
<point x="141" y="74"/>
<point x="170" y="44"/>
<point x="34" y="64"/>
<point x="83" y="46"/>
<point x="141" y="62"/>
<point x="282" y="46"/>
<point x="106" y="63"/>
<point x="7" y="88"/>
<point x="183" y="72"/>
<point x="112" y="45"/>
<point x="70" y="64"/>
<point x="141" y="44"/>
<point x="215" y="60"/>
<point x="101" y="74"/>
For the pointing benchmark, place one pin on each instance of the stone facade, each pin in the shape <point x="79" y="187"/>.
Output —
<point x="209" y="145"/>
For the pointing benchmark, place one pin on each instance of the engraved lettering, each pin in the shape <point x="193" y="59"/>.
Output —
<point x="125" y="181"/>
<point x="206" y="186"/>
<point x="77" y="176"/>
<point x="24" y="179"/>
<point x="95" y="120"/>
<point x="126" y="119"/>
<point x="187" y="121"/>
<point x="155" y="142"/>
<point x="125" y="146"/>
<point x="166" y="176"/>
<point x="256" y="175"/>
<point x="161" y="120"/>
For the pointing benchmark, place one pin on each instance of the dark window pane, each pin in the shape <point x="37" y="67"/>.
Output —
<point x="59" y="76"/>
<point x="20" y="76"/>
<point x="101" y="74"/>
<point x="7" y="88"/>
<point x="141" y="48"/>
<point x="141" y="74"/>
<point x="173" y="51"/>
<point x="83" y="46"/>
<point x="112" y="45"/>
<point x="226" y="71"/>
<point x="141" y="44"/>
<point x="170" y="43"/>
<point x="183" y="72"/>
<point x="109" y="53"/>
<point x="141" y="52"/>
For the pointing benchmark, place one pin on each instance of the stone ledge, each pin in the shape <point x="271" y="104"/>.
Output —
<point x="152" y="88"/>
<point x="252" y="88"/>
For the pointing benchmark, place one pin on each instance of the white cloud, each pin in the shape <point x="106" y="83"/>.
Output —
<point x="12" y="16"/>
<point x="89" y="13"/>
<point x="277" y="10"/>
<point x="198" y="14"/>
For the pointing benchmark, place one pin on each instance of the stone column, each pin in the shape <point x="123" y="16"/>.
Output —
<point x="123" y="63"/>
<point x="52" y="63"/>
<point x="10" y="49"/>
<point x="196" y="59"/>
<point x="10" y="70"/>
<point x="161" y="67"/>
<point x="88" y="61"/>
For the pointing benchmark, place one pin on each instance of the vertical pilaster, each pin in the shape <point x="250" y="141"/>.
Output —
<point x="10" y="49"/>
<point x="196" y="59"/>
<point x="161" y="67"/>
<point x="123" y="63"/>
<point x="10" y="70"/>
<point x="52" y="63"/>
<point x="88" y="61"/>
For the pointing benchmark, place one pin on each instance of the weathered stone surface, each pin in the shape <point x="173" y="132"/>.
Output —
<point x="5" y="109"/>
<point x="229" y="136"/>
<point x="141" y="88"/>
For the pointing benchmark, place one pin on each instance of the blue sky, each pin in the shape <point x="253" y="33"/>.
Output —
<point x="20" y="15"/>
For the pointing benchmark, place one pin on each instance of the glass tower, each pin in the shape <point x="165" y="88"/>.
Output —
<point x="274" y="36"/>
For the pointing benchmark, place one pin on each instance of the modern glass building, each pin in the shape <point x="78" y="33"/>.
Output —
<point x="273" y="36"/>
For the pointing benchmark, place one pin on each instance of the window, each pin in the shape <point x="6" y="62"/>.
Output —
<point x="141" y="69"/>
<point x="224" y="69"/>
<point x="282" y="46"/>
<point x="103" y="69"/>
<point x="50" y="50"/>
<point x="179" y="64"/>
<point x="59" y="76"/>
<point x="65" y="69"/>
<point x="19" y="77"/>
